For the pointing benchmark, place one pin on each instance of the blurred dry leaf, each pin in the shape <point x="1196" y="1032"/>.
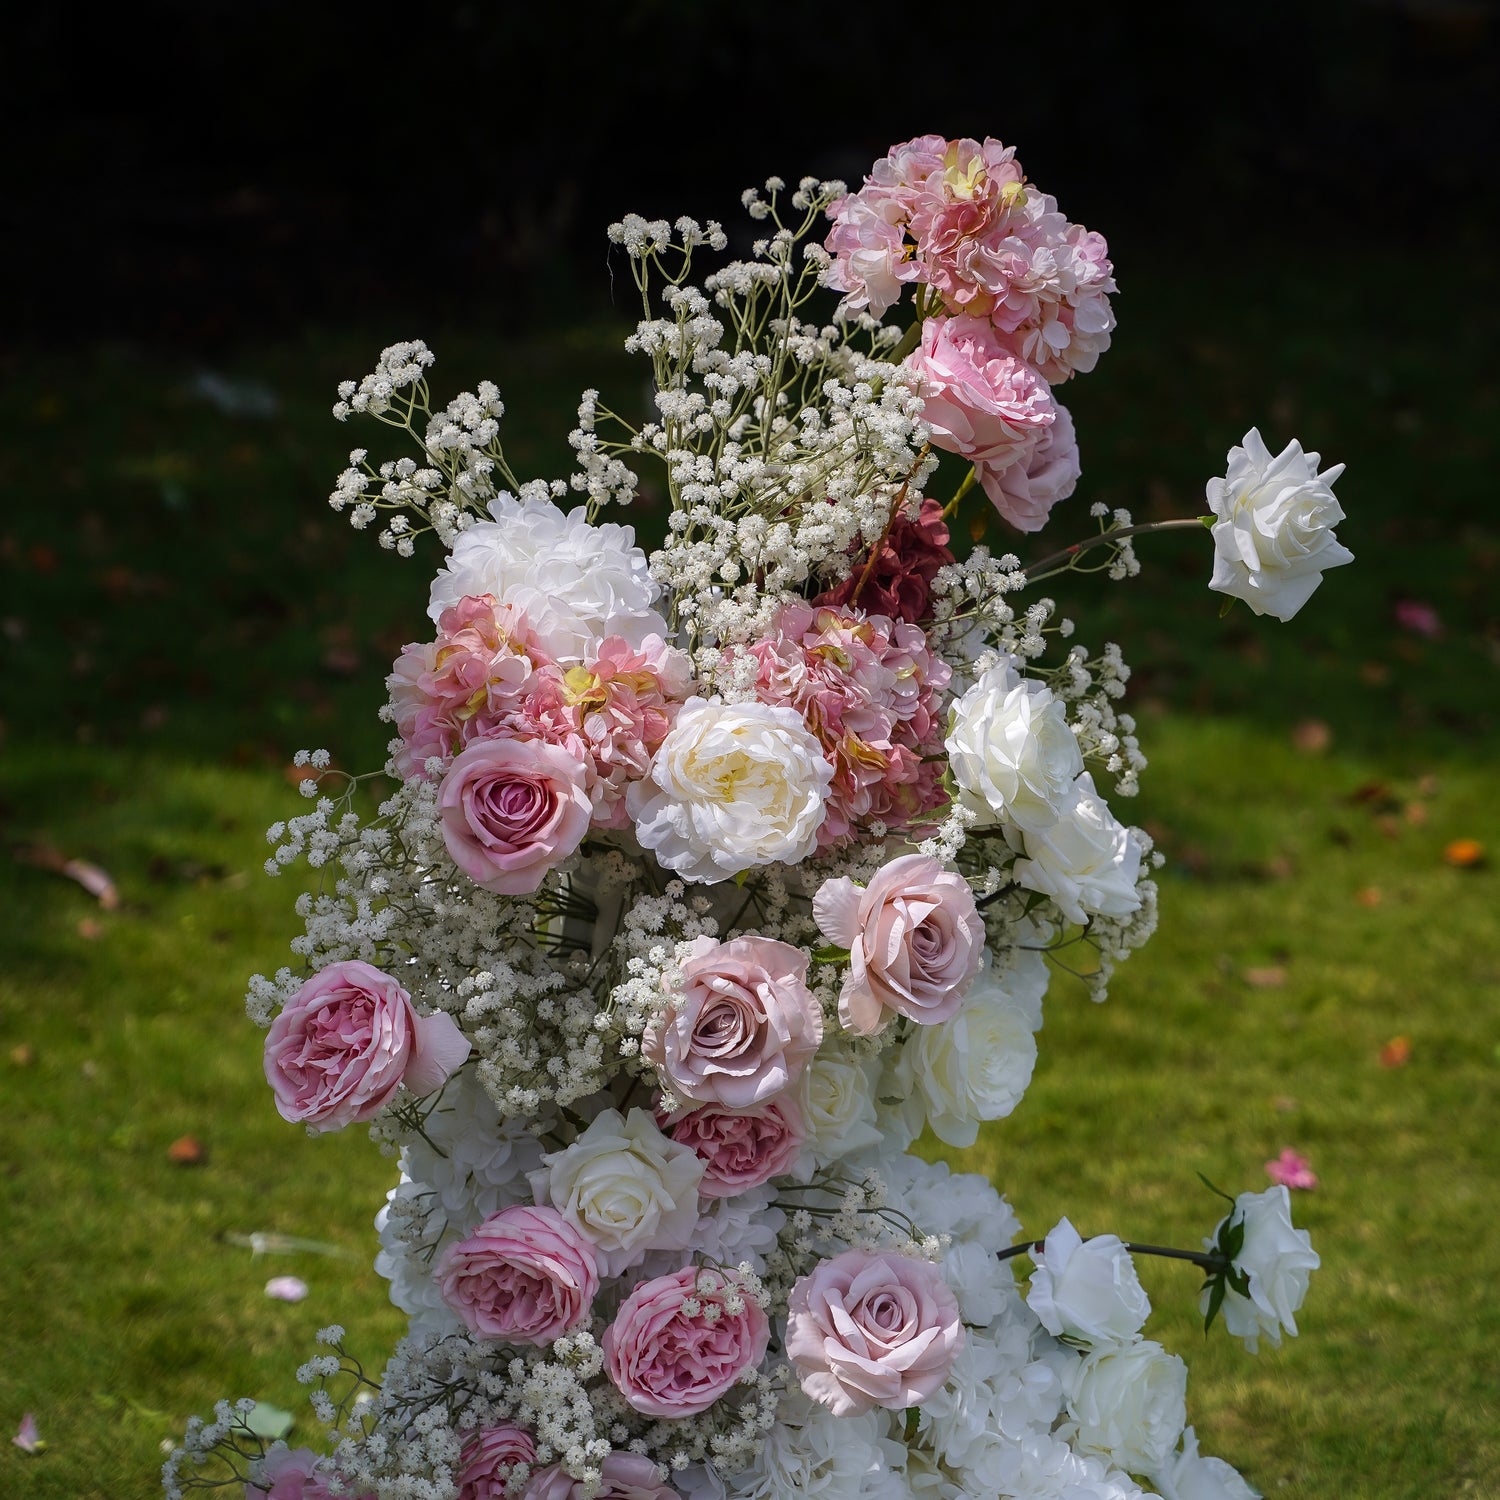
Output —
<point x="1369" y="896"/>
<point x="1376" y="673"/>
<point x="1395" y="1052"/>
<point x="23" y="1054"/>
<point x="1415" y="813"/>
<point x="1271" y="977"/>
<point x="1464" y="854"/>
<point x="1312" y="737"/>
<point x="188" y="1151"/>
<point x="90" y="930"/>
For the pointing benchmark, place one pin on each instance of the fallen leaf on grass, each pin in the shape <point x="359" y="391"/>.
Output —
<point x="1291" y="1170"/>
<point x="95" y="881"/>
<point x="263" y="1242"/>
<point x="1395" y="1052"/>
<point x="28" y="1439"/>
<point x="188" y="1151"/>
<point x="1271" y="977"/>
<point x="1369" y="896"/>
<point x="23" y="1054"/>
<point x="90" y="930"/>
<point x="1312" y="737"/>
<point x="1464" y="854"/>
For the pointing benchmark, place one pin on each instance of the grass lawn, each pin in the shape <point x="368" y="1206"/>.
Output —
<point x="179" y="613"/>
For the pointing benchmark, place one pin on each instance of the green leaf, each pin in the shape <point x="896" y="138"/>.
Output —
<point x="269" y="1422"/>
<point x="1215" y="1302"/>
<point x="913" y="1416"/>
<point x="1226" y="606"/>
<point x="1220" y="1191"/>
<point x="830" y="955"/>
<point x="1208" y="521"/>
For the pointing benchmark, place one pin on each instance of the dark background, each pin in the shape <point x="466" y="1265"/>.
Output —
<point x="192" y="173"/>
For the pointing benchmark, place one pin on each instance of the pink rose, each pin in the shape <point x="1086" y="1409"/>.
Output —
<point x="624" y="1476"/>
<point x="525" y="1275"/>
<point x="742" y="1025"/>
<point x="741" y="1148"/>
<point x="982" y="401"/>
<point x="668" y="1362"/>
<point x="915" y="941"/>
<point x="488" y="1460"/>
<point x="872" y="1330"/>
<point x="292" y="1474"/>
<point x="512" y="810"/>
<point x="1026" y="492"/>
<point x="346" y="1039"/>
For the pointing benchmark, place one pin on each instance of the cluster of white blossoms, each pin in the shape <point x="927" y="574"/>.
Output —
<point x="712" y="880"/>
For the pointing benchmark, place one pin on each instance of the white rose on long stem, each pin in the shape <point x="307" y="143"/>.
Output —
<point x="1011" y="751"/>
<point x="1087" y="1290"/>
<point x="1273" y="527"/>
<point x="1128" y="1404"/>
<point x="1088" y="862"/>
<point x="1276" y="1260"/>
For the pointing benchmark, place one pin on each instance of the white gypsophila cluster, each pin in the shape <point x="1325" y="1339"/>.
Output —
<point x="718" y="875"/>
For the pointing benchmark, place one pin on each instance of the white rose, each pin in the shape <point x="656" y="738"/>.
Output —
<point x="1276" y="1259"/>
<point x="977" y="1065"/>
<point x="1273" y="532"/>
<point x="1128" y="1404"/>
<point x="1087" y="1289"/>
<point x="625" y="1186"/>
<point x="837" y="1096"/>
<point x="733" y="785"/>
<point x="1012" y="753"/>
<point x="1088" y="861"/>
<point x="1189" y="1476"/>
<point x="575" y="583"/>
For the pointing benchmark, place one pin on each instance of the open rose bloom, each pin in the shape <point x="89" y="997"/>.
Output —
<point x="713" y="874"/>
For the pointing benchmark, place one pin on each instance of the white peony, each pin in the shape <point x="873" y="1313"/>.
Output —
<point x="837" y="1096"/>
<point x="1088" y="861"/>
<point x="811" y="1452"/>
<point x="977" y="1065"/>
<point x="1273" y="527"/>
<point x="575" y="583"/>
<point x="1188" y="1475"/>
<point x="1277" y="1260"/>
<point x="625" y="1186"/>
<point x="1087" y="1290"/>
<point x="1043" y="1467"/>
<point x="1127" y="1403"/>
<point x="733" y="785"/>
<point x="1011" y="751"/>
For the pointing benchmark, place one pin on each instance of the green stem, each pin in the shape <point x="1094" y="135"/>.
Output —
<point x="1059" y="562"/>
<point x="1206" y="1259"/>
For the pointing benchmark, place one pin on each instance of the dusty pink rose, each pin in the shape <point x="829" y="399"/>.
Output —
<point x="668" y="1362"/>
<point x="346" y="1039"/>
<point x="525" y="1275"/>
<point x="489" y="1458"/>
<point x="741" y="1027"/>
<point x="906" y="560"/>
<point x="915" y="941"/>
<point x="511" y="811"/>
<point x="1026" y="492"/>
<point x="740" y="1148"/>
<point x="624" y="1476"/>
<point x="982" y="401"/>
<point x="293" y="1474"/>
<point x="872" y="1330"/>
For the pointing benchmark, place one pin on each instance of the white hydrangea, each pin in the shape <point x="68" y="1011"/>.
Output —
<point x="811" y="1452"/>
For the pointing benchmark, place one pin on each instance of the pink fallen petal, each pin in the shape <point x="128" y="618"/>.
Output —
<point x="28" y="1439"/>
<point x="1419" y="618"/>
<point x="286" y="1288"/>
<point x="1291" y="1170"/>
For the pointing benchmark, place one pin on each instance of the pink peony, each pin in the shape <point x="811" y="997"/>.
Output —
<point x="741" y="1027"/>
<point x="982" y="402"/>
<point x="1026" y="492"/>
<point x="915" y="941"/>
<point x="669" y="1361"/>
<point x="293" y="1474"/>
<point x="511" y="811"/>
<point x="872" y="1330"/>
<point x="489" y="1459"/>
<point x="341" y="1045"/>
<point x="624" y="1476"/>
<point x="525" y="1275"/>
<point x="740" y="1148"/>
<point x="906" y="560"/>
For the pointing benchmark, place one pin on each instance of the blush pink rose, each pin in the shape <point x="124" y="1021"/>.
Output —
<point x="525" y="1276"/>
<point x="668" y="1362"/>
<point x="741" y="1148"/>
<point x="1026" y="492"/>
<point x="741" y="1027"/>
<point x="982" y="401"/>
<point x="488" y="1460"/>
<point x="623" y="1476"/>
<point x="346" y="1039"/>
<point x="293" y="1474"/>
<point x="872" y="1330"/>
<point x="915" y="941"/>
<point x="511" y="811"/>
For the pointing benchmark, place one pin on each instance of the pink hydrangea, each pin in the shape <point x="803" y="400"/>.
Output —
<point x="525" y="1275"/>
<point x="740" y="1148"/>
<point x="679" y="1342"/>
<point x="448" y="692"/>
<point x="623" y="1476"/>
<point x="293" y="1474"/>
<point x="898" y="582"/>
<point x="1025" y="492"/>
<point x="869" y="688"/>
<point x="340" y="1047"/>
<point x="490" y="1459"/>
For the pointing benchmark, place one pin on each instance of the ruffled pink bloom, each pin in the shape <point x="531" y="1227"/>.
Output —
<point x="868" y="688"/>
<point x="740" y="1148"/>
<point x="1291" y="1169"/>
<point x="741" y="1027"/>
<point x="982" y="402"/>
<point x="456" y="689"/>
<point x="344" y="1042"/>
<point x="623" y="1476"/>
<point x="872" y="1330"/>
<point x="669" y="1362"/>
<point x="907" y="559"/>
<point x="489" y="1460"/>
<point x="294" y="1474"/>
<point x="511" y="811"/>
<point x="525" y="1275"/>
<point x="915" y="941"/>
<point x="1026" y="492"/>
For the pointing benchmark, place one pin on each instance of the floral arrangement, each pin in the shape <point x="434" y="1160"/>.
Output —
<point x="709" y="880"/>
